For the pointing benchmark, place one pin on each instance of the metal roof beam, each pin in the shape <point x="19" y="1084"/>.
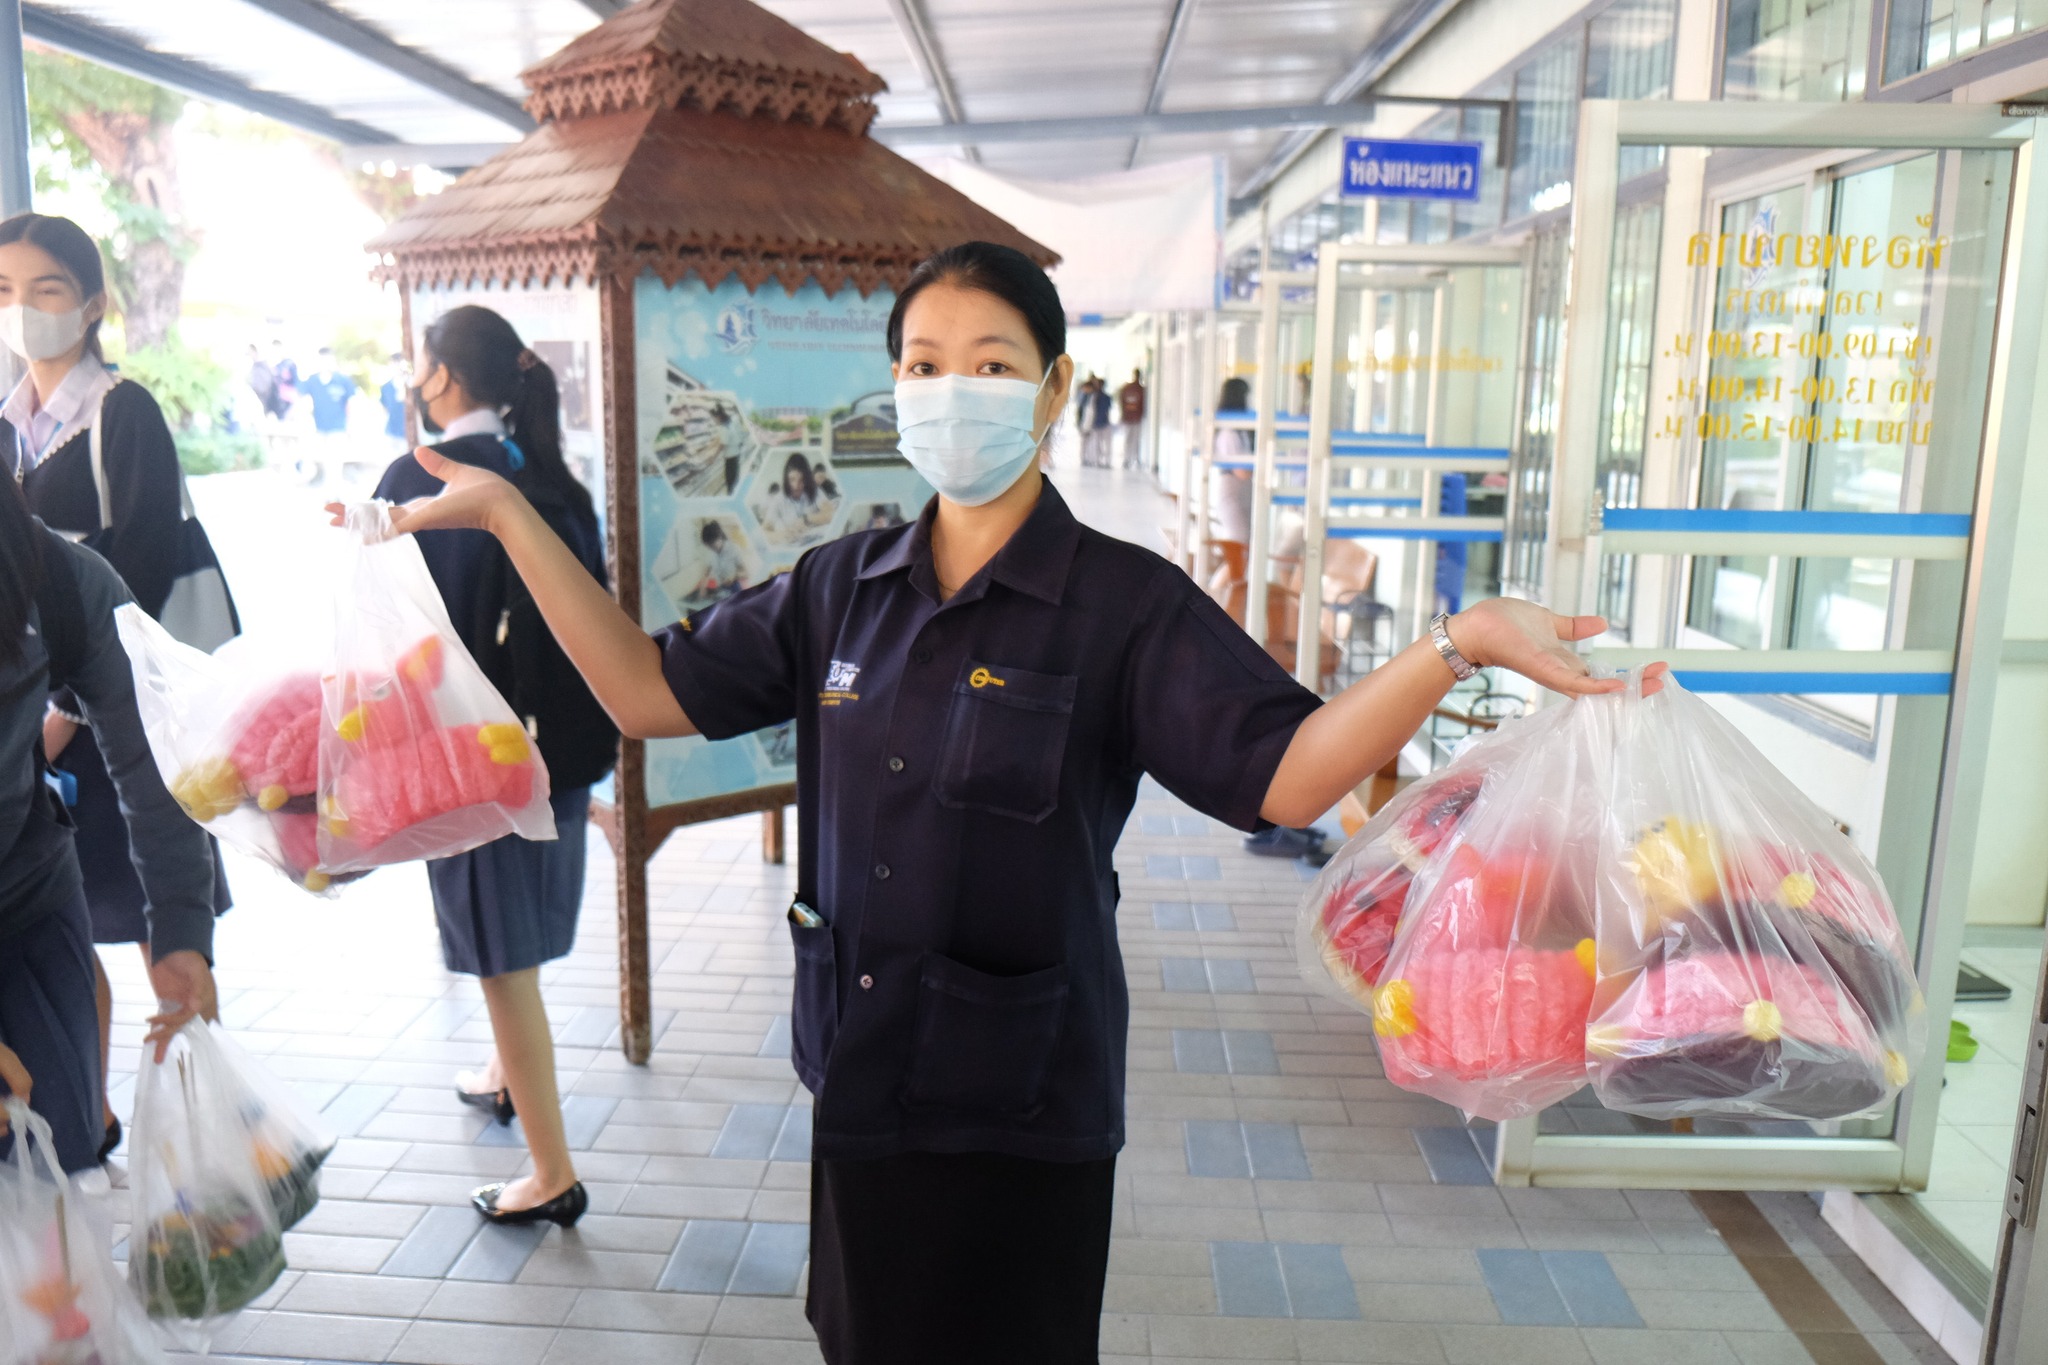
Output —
<point x="604" y="9"/>
<point x="1149" y="125"/>
<point x="112" y="48"/>
<point x="373" y="45"/>
<point x="1176" y="29"/>
<point x="917" y="31"/>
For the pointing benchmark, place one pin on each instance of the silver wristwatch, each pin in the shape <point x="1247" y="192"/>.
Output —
<point x="1440" y="636"/>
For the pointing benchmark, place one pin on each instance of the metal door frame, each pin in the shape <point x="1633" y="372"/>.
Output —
<point x="1331" y="257"/>
<point x="1524" y="1157"/>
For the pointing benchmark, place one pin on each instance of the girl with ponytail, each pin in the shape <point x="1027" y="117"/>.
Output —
<point x="506" y="908"/>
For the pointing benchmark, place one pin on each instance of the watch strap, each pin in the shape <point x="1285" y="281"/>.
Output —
<point x="1440" y="636"/>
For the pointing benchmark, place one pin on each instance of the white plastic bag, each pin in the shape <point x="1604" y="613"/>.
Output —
<point x="61" y="1299"/>
<point x="235" y="734"/>
<point x="420" y="757"/>
<point x="287" y="1139"/>
<point x="1751" y="965"/>
<point x="205" y="1238"/>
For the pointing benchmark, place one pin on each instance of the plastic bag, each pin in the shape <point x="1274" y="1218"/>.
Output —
<point x="61" y="1299"/>
<point x="286" y="1138"/>
<point x="235" y="734"/>
<point x="205" y="1238"/>
<point x="419" y="755"/>
<point x="1484" y="997"/>
<point x="1751" y="965"/>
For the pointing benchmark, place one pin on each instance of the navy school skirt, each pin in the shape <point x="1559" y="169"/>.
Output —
<point x="113" y="893"/>
<point x="47" y="1017"/>
<point x="931" y="1258"/>
<point x="512" y="903"/>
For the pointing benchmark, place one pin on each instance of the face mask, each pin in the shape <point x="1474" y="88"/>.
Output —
<point x="33" y="334"/>
<point x="971" y="436"/>
<point x="419" y="406"/>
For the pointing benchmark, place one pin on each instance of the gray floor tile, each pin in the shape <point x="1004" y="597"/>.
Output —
<point x="1184" y="974"/>
<point x="472" y="1343"/>
<point x="1216" y="1148"/>
<point x="1250" y="1052"/>
<point x="1522" y="1289"/>
<point x="1452" y="1157"/>
<point x="1173" y="915"/>
<point x="1248" y="1280"/>
<point x="1214" y="917"/>
<point x="354" y="1106"/>
<point x="1276" y="1152"/>
<point x="1200" y="1051"/>
<point x="776" y="1042"/>
<point x="581" y="1346"/>
<point x="1156" y="825"/>
<point x="1164" y="866"/>
<point x="1230" y="976"/>
<point x="1318" y="1285"/>
<point x="794" y="1142"/>
<point x="772" y="1260"/>
<point x="750" y="1131"/>
<point x="499" y="1253"/>
<point x="583" y="1118"/>
<point x="703" y="1260"/>
<point x="1590" y="1290"/>
<point x="1201" y="867"/>
<point x="434" y="1244"/>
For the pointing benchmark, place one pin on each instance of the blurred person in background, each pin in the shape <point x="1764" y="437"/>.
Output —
<point x="124" y="501"/>
<point x="391" y="397"/>
<point x="329" y="391"/>
<point x="1130" y="404"/>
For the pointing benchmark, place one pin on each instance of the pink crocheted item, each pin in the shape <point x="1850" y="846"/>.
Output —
<point x="384" y="788"/>
<point x="277" y="741"/>
<point x="1486" y="1014"/>
<point x="1358" y="925"/>
<point x="1760" y="996"/>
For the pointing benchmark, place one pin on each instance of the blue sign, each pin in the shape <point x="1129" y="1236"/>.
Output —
<point x="1378" y="169"/>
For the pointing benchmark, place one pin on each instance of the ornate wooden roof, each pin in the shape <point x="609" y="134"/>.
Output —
<point x="704" y="137"/>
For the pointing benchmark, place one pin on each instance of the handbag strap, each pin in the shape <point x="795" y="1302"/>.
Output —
<point x="99" y="468"/>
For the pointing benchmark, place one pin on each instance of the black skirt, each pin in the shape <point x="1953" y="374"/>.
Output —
<point x="968" y="1259"/>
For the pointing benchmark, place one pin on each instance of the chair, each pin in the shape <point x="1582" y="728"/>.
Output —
<point x="1351" y="614"/>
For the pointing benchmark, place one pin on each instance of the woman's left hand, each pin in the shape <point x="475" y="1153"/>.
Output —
<point x="1507" y="632"/>
<point x="184" y="990"/>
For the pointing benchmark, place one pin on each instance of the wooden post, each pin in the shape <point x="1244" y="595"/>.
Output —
<point x="630" y="845"/>
<point x="771" y="836"/>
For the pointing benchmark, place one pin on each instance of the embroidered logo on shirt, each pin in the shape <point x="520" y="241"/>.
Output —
<point x="981" y="677"/>
<point x="839" y="679"/>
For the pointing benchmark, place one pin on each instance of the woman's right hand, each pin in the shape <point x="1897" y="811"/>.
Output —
<point x="14" y="1076"/>
<point x="474" y="499"/>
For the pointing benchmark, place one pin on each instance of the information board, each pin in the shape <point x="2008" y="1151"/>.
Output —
<point x="1380" y="168"/>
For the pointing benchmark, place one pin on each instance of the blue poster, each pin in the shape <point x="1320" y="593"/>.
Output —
<point x="767" y="425"/>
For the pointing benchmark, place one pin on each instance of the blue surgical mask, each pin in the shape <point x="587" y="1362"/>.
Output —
<point x="971" y="436"/>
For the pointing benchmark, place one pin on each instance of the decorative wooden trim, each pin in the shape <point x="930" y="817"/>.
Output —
<point x="662" y="80"/>
<point x="530" y="262"/>
<point x="629" y="827"/>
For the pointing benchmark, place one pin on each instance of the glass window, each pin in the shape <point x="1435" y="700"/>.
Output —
<point x="1482" y="126"/>
<point x="1628" y="57"/>
<point x="1818" y="395"/>
<point x="1921" y="34"/>
<point x="1546" y="130"/>
<point x="1796" y="49"/>
<point x="1625" y="406"/>
<point x="1529" y="468"/>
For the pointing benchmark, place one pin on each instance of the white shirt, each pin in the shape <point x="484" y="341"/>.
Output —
<point x="40" y="427"/>
<point x="475" y="422"/>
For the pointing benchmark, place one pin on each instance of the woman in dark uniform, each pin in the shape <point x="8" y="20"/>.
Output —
<point x="57" y="605"/>
<point x="53" y="297"/>
<point x="509" y="906"/>
<point x="976" y="696"/>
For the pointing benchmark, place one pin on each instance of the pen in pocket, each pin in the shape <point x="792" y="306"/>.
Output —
<point x="804" y="917"/>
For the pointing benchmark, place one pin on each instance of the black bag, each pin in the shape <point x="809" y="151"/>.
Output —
<point x="574" y="734"/>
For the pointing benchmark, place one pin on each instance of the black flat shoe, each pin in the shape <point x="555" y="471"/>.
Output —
<point x="1282" y="842"/>
<point x="112" y="1140"/>
<point x="563" y="1210"/>
<point x="498" y="1103"/>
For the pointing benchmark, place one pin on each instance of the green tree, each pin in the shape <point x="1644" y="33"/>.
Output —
<point x="90" y="119"/>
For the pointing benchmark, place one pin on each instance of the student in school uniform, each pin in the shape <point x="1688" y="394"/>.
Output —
<point x="976" y="695"/>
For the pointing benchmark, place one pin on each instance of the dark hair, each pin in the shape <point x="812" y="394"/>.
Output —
<point x="797" y="464"/>
<point x="493" y="365"/>
<point x="1236" y="396"/>
<point x="21" y="570"/>
<point x="1001" y="271"/>
<point x="711" y="533"/>
<point x="75" y="250"/>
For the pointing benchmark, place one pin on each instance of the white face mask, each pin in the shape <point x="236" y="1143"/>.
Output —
<point x="33" y="334"/>
<point x="971" y="436"/>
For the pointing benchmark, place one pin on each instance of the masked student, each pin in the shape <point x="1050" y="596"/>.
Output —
<point x="94" y="457"/>
<point x="976" y="695"/>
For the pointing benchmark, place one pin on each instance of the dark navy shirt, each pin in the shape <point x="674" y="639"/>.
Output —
<point x="963" y="772"/>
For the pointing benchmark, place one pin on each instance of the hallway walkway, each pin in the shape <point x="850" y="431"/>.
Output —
<point x="1278" y="1199"/>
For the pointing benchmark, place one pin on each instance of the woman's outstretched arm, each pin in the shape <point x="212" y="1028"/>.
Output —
<point x="619" y="660"/>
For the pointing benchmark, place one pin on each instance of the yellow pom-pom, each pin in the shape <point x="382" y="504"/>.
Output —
<point x="272" y="797"/>
<point x="1896" y="1073"/>
<point x="1676" y="866"/>
<point x="420" y="662"/>
<point x="1393" y="1009"/>
<point x="1587" y="955"/>
<point x="316" y="880"/>
<point x="1763" y="1021"/>
<point x="1797" y="890"/>
<point x="351" y="726"/>
<point x="508" y="755"/>
<point x="1606" y="1041"/>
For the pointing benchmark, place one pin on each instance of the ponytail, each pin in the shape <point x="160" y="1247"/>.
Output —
<point x="485" y="354"/>
<point x="21" y="569"/>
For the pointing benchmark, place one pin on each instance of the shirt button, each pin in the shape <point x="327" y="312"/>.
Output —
<point x="895" y="765"/>
<point x="922" y="656"/>
<point x="867" y="983"/>
<point x="882" y="871"/>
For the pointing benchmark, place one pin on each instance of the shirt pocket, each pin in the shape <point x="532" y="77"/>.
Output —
<point x="985" y="1043"/>
<point x="1006" y="735"/>
<point x="814" y="1007"/>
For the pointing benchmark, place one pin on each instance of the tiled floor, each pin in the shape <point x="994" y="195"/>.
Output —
<point x="1973" y="1142"/>
<point x="1278" y="1199"/>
